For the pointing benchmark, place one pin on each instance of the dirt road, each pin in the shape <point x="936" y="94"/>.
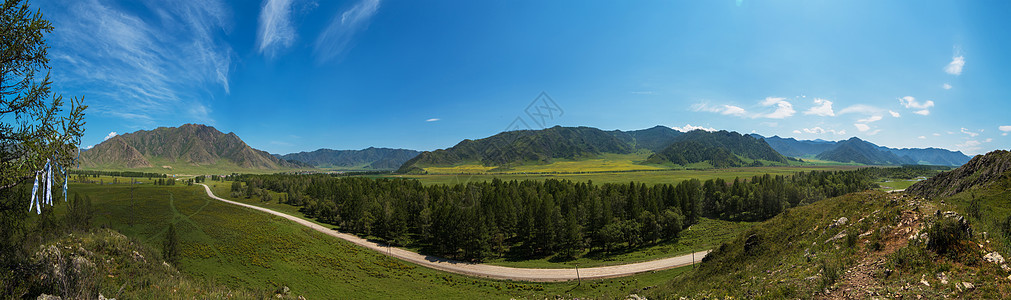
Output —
<point x="485" y="270"/>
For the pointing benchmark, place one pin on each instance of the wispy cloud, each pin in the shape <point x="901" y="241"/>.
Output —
<point x="870" y="119"/>
<point x="822" y="108"/>
<point x="912" y="103"/>
<point x="861" y="109"/>
<point x="819" y="130"/>
<point x="955" y="66"/>
<point x="946" y="86"/>
<point x="335" y="40"/>
<point x="136" y="67"/>
<point x="894" y="114"/>
<point x="862" y="127"/>
<point x="970" y="133"/>
<point x="690" y="127"/>
<point x="432" y="120"/>
<point x="275" y="31"/>
<point x="720" y="109"/>
<point x="1005" y="129"/>
<point x="109" y="136"/>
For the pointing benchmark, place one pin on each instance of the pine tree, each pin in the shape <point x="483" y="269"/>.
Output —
<point x="170" y="248"/>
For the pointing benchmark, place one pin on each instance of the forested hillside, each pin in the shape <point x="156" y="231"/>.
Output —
<point x="721" y="149"/>
<point x="369" y="158"/>
<point x="475" y="221"/>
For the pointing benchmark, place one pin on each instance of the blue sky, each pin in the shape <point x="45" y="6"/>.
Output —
<point x="297" y="75"/>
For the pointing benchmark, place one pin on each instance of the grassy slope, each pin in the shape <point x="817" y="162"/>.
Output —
<point x="794" y="255"/>
<point x="246" y="249"/>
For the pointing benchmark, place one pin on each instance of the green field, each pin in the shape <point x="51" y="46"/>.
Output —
<point x="647" y="177"/>
<point x="242" y="248"/>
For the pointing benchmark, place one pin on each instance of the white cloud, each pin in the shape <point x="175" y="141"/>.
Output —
<point x="335" y="40"/>
<point x="870" y="119"/>
<point x="432" y="120"/>
<point x="142" y="67"/>
<point x="955" y="66"/>
<point x="937" y="134"/>
<point x="911" y="103"/>
<point x="110" y="135"/>
<point x="796" y="131"/>
<point x="861" y="108"/>
<point x="1005" y="128"/>
<point x="946" y="86"/>
<point x="770" y="124"/>
<point x="922" y="137"/>
<point x="644" y="93"/>
<point x="689" y="127"/>
<point x="874" y="132"/>
<point x="275" y="31"/>
<point x="968" y="132"/>
<point x="783" y="109"/>
<point x="894" y="114"/>
<point x="720" y="109"/>
<point x="823" y="108"/>
<point x="819" y="130"/>
<point x="862" y="127"/>
<point x="89" y="147"/>
<point x="988" y="140"/>
<point x="971" y="146"/>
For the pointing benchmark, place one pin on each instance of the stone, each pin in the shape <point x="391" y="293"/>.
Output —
<point x="994" y="257"/>
<point x="968" y="286"/>
<point x="942" y="277"/>
<point x="840" y="222"/>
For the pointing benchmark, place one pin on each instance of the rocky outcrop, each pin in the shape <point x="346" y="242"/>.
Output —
<point x="980" y="171"/>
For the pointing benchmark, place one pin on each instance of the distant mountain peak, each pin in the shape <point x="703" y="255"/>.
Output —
<point x="190" y="144"/>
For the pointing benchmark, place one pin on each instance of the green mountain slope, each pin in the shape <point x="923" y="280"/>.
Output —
<point x="721" y="149"/>
<point x="369" y="158"/>
<point x="525" y="146"/>
<point x="189" y="145"/>
<point x="862" y="152"/>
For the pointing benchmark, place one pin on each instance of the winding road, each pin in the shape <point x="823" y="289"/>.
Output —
<point x="485" y="270"/>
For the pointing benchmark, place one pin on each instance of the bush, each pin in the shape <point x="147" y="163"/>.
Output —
<point x="948" y="234"/>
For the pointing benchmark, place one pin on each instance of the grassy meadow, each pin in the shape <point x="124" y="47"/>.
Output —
<point x="242" y="248"/>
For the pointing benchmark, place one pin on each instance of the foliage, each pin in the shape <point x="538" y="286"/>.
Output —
<point x="33" y="129"/>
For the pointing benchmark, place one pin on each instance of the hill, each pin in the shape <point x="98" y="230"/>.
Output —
<point x="186" y="146"/>
<point x="812" y="148"/>
<point x="980" y="171"/>
<point x="862" y="152"/>
<point x="369" y="158"/>
<point x="653" y="139"/>
<point x="526" y="146"/>
<point x="797" y="148"/>
<point x="721" y="149"/>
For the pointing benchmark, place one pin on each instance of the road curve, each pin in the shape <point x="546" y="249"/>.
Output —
<point x="485" y="270"/>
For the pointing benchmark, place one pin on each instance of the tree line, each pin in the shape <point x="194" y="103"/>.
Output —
<point x="480" y="220"/>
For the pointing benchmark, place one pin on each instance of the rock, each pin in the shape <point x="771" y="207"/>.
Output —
<point x="635" y="297"/>
<point x="942" y="277"/>
<point x="994" y="257"/>
<point x="101" y="297"/>
<point x="840" y="235"/>
<point x="968" y="286"/>
<point x="840" y="222"/>
<point x="923" y="280"/>
<point x="137" y="257"/>
<point x="48" y="297"/>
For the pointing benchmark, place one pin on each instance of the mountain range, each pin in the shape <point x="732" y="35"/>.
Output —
<point x="201" y="146"/>
<point x="720" y="148"/>
<point x="860" y="151"/>
<point x="367" y="159"/>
